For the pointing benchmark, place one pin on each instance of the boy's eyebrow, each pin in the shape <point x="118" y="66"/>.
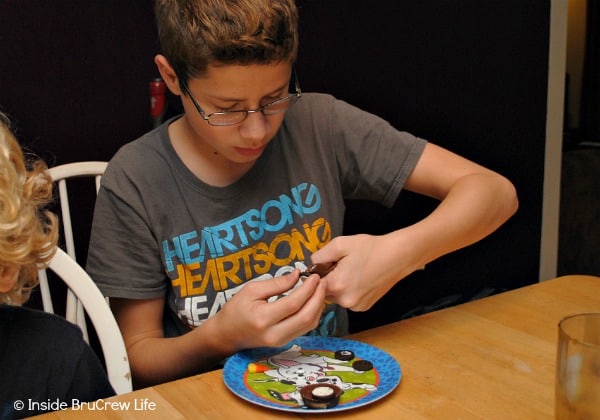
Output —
<point x="226" y="99"/>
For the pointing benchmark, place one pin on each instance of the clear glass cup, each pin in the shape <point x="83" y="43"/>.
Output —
<point x="578" y="367"/>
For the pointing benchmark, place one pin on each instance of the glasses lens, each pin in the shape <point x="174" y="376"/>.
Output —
<point x="280" y="106"/>
<point x="236" y="117"/>
<point x="227" y="118"/>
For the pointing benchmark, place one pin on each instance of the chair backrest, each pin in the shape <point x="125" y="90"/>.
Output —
<point x="83" y="296"/>
<point x="60" y="175"/>
<point x="98" y="310"/>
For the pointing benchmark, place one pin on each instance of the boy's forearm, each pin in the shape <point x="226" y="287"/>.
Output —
<point x="156" y="360"/>
<point x="473" y="208"/>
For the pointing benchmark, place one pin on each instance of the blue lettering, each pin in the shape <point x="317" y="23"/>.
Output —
<point x="238" y="232"/>
<point x="313" y="200"/>
<point x="327" y="326"/>
<point x="171" y="253"/>
<point x="206" y="244"/>
<point x="254" y="223"/>
<point x="284" y="218"/>
<point x="296" y="204"/>
<point x="188" y="248"/>
<point x="223" y="241"/>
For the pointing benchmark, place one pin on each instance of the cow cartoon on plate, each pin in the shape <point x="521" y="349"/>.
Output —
<point x="299" y="368"/>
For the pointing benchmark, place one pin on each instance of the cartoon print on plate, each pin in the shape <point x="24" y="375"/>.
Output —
<point x="295" y="368"/>
<point x="274" y="377"/>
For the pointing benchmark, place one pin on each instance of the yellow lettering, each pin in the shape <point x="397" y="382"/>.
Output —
<point x="211" y="274"/>
<point x="180" y="280"/>
<point x="236" y="268"/>
<point x="280" y="239"/>
<point x="190" y="283"/>
<point x="228" y="274"/>
<point x="245" y="255"/>
<point x="321" y="238"/>
<point x="262" y="259"/>
<point x="192" y="280"/>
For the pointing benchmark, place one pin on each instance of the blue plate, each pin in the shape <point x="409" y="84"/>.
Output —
<point x="273" y="377"/>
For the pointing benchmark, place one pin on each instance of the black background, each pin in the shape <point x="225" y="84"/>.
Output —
<point x="469" y="75"/>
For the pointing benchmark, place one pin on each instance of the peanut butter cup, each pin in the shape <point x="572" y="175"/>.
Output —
<point x="321" y="396"/>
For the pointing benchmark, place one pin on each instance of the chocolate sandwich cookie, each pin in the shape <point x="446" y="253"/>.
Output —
<point x="345" y="355"/>
<point x="362" y="365"/>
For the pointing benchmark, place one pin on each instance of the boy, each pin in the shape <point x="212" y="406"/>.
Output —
<point x="203" y="226"/>
<point x="43" y="357"/>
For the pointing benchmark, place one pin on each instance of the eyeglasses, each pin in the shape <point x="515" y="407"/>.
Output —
<point x="222" y="118"/>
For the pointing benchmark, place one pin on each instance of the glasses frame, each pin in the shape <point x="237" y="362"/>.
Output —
<point x="293" y="97"/>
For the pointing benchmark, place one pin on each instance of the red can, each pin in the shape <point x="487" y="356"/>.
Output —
<point x="158" y="100"/>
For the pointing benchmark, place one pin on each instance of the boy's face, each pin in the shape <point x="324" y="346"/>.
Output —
<point x="236" y="87"/>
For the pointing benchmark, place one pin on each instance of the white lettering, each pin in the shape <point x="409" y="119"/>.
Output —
<point x="48" y="405"/>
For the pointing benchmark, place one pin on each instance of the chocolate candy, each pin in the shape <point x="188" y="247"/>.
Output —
<point x="362" y="365"/>
<point x="345" y="355"/>
<point x="319" y="268"/>
<point x="321" y="396"/>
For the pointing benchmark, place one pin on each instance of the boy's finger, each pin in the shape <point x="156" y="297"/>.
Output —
<point x="295" y="323"/>
<point x="277" y="285"/>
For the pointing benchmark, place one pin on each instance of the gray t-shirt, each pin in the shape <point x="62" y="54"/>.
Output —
<point x="158" y="230"/>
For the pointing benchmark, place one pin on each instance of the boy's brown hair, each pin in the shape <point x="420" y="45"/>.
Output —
<point x="197" y="33"/>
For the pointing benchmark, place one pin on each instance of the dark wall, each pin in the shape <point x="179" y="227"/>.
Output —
<point x="466" y="74"/>
<point x="74" y="79"/>
<point x="74" y="74"/>
<point x="469" y="75"/>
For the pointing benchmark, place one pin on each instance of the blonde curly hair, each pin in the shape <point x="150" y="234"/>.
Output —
<point x="28" y="232"/>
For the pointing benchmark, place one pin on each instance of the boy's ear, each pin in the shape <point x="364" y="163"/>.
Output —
<point x="168" y="74"/>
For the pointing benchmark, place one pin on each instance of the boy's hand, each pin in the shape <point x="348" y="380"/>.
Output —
<point x="368" y="267"/>
<point x="250" y="320"/>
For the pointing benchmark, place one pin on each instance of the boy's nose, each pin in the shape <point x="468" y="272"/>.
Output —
<point x="254" y="127"/>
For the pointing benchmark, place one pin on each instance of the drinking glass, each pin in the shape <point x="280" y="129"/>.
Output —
<point x="578" y="367"/>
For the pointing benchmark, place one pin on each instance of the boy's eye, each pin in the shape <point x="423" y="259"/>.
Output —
<point x="238" y="107"/>
<point x="271" y="99"/>
<point x="234" y="107"/>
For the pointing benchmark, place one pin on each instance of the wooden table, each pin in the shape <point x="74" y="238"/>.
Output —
<point x="491" y="358"/>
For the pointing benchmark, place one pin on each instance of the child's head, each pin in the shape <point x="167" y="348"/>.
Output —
<point x="197" y="33"/>
<point x="28" y="233"/>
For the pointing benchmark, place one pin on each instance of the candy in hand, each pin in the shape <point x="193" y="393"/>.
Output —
<point x="319" y="268"/>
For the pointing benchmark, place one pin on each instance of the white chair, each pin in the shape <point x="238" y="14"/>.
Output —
<point x="82" y="293"/>
<point x="98" y="310"/>
<point x="60" y="175"/>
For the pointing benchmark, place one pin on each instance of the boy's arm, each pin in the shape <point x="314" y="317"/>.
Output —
<point x="152" y="357"/>
<point x="475" y="201"/>
<point x="248" y="320"/>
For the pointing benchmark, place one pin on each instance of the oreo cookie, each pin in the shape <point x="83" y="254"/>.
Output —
<point x="362" y="365"/>
<point x="345" y="355"/>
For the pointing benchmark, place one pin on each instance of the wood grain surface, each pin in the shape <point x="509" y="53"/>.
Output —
<point x="492" y="358"/>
